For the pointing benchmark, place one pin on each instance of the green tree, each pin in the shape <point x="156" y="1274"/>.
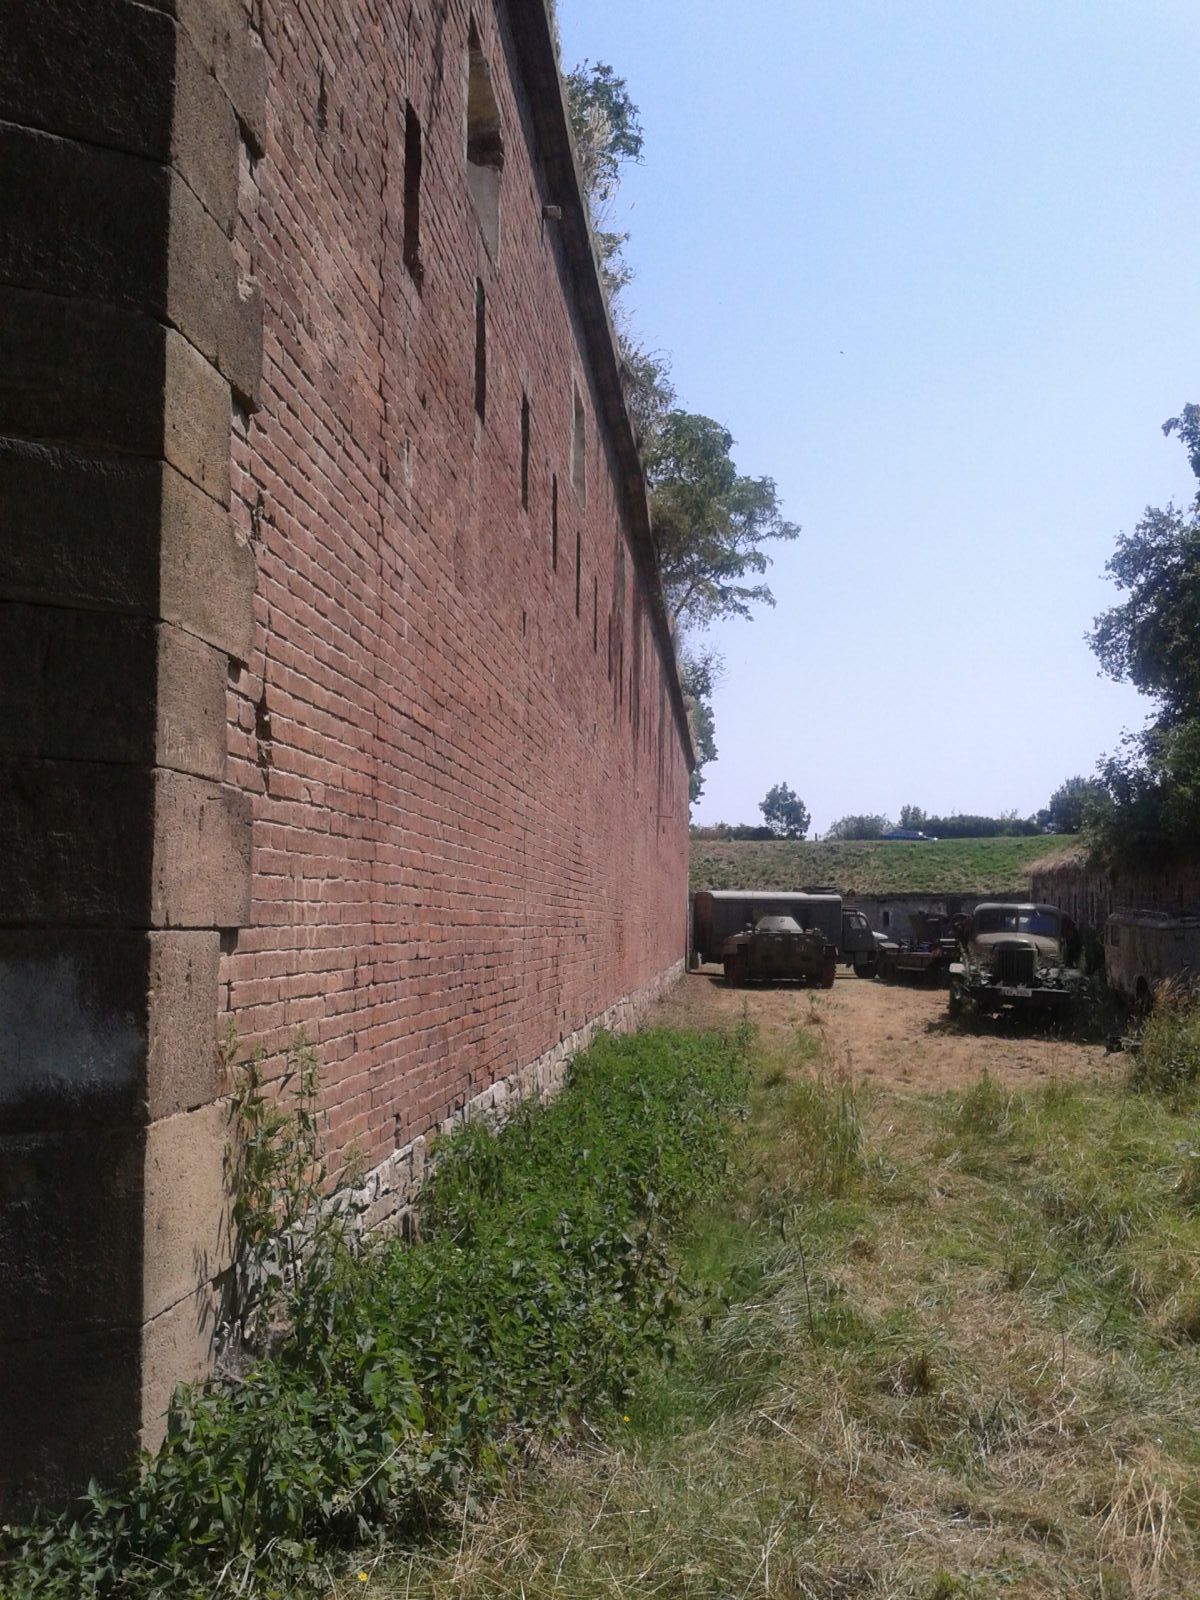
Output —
<point x="859" y="825"/>
<point x="1073" y="803"/>
<point x="784" y="812"/>
<point x="710" y="522"/>
<point x="1152" y="640"/>
<point x="608" y="133"/>
<point x="699" y="673"/>
<point x="912" y="817"/>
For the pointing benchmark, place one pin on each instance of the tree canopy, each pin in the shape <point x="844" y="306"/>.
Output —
<point x="710" y="522"/>
<point x="1152" y="640"/>
<point x="1073" y="803"/>
<point x="784" y="812"/>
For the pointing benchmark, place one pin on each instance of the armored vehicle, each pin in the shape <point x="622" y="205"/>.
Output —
<point x="778" y="948"/>
<point x="719" y="913"/>
<point x="1014" y="959"/>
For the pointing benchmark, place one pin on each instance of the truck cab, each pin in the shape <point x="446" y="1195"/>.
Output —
<point x="1014" y="957"/>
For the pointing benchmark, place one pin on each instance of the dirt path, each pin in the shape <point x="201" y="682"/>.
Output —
<point x="891" y="1033"/>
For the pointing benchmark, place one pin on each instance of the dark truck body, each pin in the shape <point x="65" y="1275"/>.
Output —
<point x="1013" y="959"/>
<point x="927" y="956"/>
<point x="777" y="950"/>
<point x="717" y="914"/>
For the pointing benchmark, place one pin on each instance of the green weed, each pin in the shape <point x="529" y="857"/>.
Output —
<point x="539" y="1287"/>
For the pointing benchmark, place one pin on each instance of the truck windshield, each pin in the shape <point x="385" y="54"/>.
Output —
<point x="1039" y="923"/>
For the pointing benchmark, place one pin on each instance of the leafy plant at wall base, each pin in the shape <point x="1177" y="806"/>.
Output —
<point x="281" y="1213"/>
<point x="411" y="1373"/>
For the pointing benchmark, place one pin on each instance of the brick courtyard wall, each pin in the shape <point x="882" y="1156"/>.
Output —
<point x="325" y="703"/>
<point x="466" y="760"/>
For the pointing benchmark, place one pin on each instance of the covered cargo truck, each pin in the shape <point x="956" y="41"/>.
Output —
<point x="719" y="914"/>
<point x="1143" y="948"/>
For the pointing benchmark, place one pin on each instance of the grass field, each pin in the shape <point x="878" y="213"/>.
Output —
<point x="948" y="1349"/>
<point x="944" y="866"/>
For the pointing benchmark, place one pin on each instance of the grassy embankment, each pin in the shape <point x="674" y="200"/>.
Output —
<point x="944" y="866"/>
<point x="949" y="1349"/>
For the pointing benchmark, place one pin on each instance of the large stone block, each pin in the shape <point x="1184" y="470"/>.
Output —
<point x="77" y="844"/>
<point x="186" y="1235"/>
<point x="105" y="1026"/>
<point x="100" y="70"/>
<point x="133" y="535"/>
<point x="108" y="226"/>
<point x="72" y="1028"/>
<point x="69" y="1412"/>
<point x="177" y="1347"/>
<point x="182" y="1060"/>
<point x="117" y="74"/>
<point x="110" y="379"/>
<point x="77" y="685"/>
<point x="208" y="570"/>
<point x="201" y="854"/>
<point x="226" y="44"/>
<point x="71" y="1211"/>
<point x="190" y="733"/>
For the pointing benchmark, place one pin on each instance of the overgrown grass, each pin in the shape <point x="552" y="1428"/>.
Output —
<point x="541" y="1284"/>
<point x="948" y="1348"/>
<point x="943" y="866"/>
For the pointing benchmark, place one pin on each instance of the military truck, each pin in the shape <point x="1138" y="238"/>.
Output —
<point x="717" y="914"/>
<point x="1143" y="948"/>
<point x="1014" y="958"/>
<point x="927" y="956"/>
<point x="776" y="949"/>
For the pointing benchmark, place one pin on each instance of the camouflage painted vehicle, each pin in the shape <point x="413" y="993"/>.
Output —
<point x="1014" y="958"/>
<point x="776" y="949"/>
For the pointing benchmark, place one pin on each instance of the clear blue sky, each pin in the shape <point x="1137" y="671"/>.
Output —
<point x="934" y="265"/>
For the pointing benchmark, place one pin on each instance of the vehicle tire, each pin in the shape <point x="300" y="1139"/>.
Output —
<point x="866" y="969"/>
<point x="954" y="1002"/>
<point x="829" y="975"/>
<point x="733" y="971"/>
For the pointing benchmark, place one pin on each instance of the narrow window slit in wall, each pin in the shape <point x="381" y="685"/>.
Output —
<point x="554" y="523"/>
<point x="485" y="146"/>
<point x="480" y="350"/>
<point x="412" y="193"/>
<point x="578" y="574"/>
<point x="578" y="445"/>
<point x="595" y="614"/>
<point x="525" y="452"/>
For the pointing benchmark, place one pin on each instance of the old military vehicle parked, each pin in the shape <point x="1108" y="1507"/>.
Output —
<point x="1145" y="948"/>
<point x="1014" y="960"/>
<point x="927" y="956"/>
<point x="717" y="914"/>
<point x="777" y="949"/>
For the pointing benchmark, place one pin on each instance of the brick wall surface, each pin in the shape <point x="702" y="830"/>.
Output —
<point x="468" y="786"/>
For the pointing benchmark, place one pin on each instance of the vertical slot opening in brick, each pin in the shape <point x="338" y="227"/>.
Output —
<point x="578" y="568"/>
<point x="412" y="193"/>
<point x="578" y="445"/>
<point x="554" y="523"/>
<point x="480" y="350"/>
<point x="525" y="452"/>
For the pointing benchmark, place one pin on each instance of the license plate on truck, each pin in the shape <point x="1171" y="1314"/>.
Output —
<point x="1018" y="991"/>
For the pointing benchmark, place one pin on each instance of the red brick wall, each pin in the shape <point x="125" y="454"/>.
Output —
<point x="469" y="824"/>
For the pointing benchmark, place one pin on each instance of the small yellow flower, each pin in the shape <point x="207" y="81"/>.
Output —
<point x="362" y="1577"/>
<point x="624" y="1419"/>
